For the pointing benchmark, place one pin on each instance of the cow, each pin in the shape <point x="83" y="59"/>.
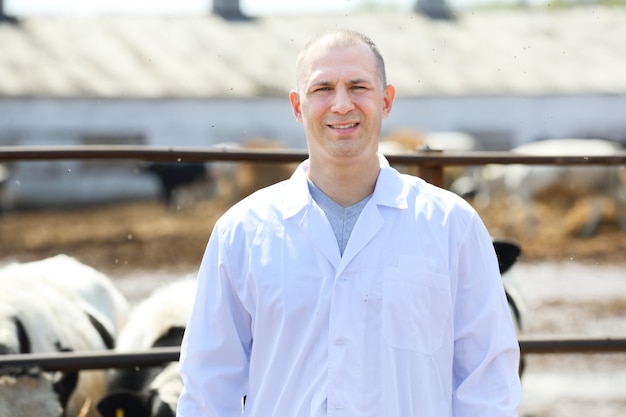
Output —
<point x="224" y="182"/>
<point x="54" y="305"/>
<point x="157" y="321"/>
<point x="174" y="176"/>
<point x="524" y="184"/>
<point x="508" y="252"/>
<point x="30" y="392"/>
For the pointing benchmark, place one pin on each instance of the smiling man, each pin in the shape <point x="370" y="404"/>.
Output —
<point x="349" y="289"/>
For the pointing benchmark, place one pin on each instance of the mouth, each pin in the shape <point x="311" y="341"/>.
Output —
<point x="345" y="126"/>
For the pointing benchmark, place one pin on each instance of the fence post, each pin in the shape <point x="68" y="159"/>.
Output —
<point x="431" y="173"/>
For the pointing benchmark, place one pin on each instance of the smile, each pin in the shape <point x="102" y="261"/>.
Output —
<point x="349" y="126"/>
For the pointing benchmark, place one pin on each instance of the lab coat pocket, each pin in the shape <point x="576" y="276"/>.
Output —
<point x="416" y="305"/>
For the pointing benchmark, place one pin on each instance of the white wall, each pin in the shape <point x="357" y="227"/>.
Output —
<point x="204" y="122"/>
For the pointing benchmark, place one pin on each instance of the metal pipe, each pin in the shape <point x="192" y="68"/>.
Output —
<point x="73" y="361"/>
<point x="601" y="345"/>
<point x="189" y="154"/>
<point x="431" y="164"/>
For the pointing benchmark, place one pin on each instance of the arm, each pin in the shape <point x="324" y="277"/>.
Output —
<point x="215" y="349"/>
<point x="486" y="350"/>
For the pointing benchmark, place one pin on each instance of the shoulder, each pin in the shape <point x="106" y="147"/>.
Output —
<point x="423" y="193"/>
<point x="440" y="207"/>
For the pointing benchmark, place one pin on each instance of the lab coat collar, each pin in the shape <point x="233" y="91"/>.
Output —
<point x="298" y="196"/>
<point x="389" y="190"/>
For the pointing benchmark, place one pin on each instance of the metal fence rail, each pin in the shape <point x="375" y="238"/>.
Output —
<point x="431" y="163"/>
<point x="157" y="356"/>
<point x="216" y="153"/>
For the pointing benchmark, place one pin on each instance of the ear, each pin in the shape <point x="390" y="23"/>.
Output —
<point x="106" y="336"/>
<point x="296" y="105"/>
<point x="173" y="337"/>
<point x="64" y="385"/>
<point x="123" y="403"/>
<point x="22" y="336"/>
<point x="388" y="96"/>
<point x="507" y="253"/>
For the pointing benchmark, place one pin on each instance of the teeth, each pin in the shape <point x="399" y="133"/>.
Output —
<point x="344" y="126"/>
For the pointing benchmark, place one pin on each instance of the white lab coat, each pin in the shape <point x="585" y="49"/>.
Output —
<point x="412" y="320"/>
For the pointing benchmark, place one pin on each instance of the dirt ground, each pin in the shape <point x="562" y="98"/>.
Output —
<point x="148" y="235"/>
<point x="114" y="238"/>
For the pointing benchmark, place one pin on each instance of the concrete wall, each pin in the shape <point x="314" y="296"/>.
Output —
<point x="205" y="122"/>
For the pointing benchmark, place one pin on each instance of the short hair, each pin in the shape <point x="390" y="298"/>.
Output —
<point x="344" y="37"/>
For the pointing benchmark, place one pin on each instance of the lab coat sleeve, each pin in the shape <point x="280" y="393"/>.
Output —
<point x="215" y="349"/>
<point x="486" y="350"/>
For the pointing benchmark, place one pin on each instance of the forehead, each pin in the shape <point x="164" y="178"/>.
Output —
<point x="331" y="61"/>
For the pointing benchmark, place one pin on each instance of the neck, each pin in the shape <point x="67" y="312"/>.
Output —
<point x="348" y="183"/>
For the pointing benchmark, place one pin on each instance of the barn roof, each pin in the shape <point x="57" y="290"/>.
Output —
<point x="578" y="50"/>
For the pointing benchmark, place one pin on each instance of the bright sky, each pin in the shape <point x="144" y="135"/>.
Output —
<point x="250" y="7"/>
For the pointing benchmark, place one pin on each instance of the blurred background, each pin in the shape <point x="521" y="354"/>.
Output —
<point x="470" y="75"/>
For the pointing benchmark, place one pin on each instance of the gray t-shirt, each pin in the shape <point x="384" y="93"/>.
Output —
<point x="341" y="219"/>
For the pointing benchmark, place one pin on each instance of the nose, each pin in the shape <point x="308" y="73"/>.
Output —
<point x="342" y="102"/>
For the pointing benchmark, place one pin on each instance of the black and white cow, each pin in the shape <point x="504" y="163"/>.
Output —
<point x="56" y="305"/>
<point x="31" y="392"/>
<point x="157" y="321"/>
<point x="508" y="252"/>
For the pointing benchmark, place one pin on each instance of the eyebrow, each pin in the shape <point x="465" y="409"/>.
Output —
<point x="325" y="83"/>
<point x="359" y="81"/>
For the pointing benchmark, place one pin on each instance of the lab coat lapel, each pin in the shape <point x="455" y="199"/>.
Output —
<point x="313" y="222"/>
<point x="388" y="192"/>
<point x="366" y="228"/>
<point x="315" y="225"/>
<point x="300" y="208"/>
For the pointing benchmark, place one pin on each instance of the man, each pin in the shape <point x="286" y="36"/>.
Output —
<point x="349" y="289"/>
